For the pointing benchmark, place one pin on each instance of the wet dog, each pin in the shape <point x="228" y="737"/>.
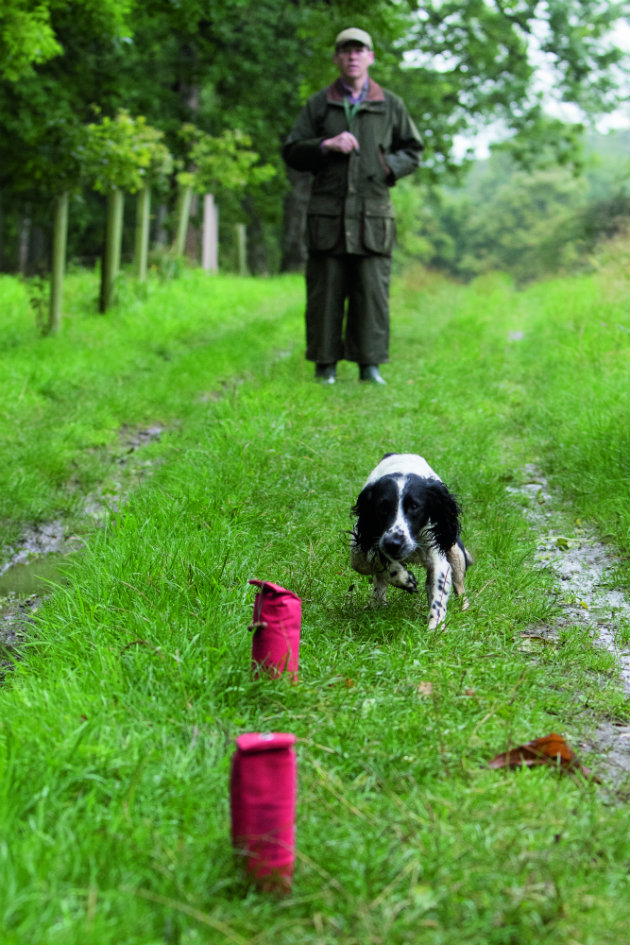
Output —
<point x="406" y="515"/>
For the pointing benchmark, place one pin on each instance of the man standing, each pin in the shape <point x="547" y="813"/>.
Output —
<point x="357" y="139"/>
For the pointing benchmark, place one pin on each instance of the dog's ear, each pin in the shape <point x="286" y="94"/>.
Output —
<point x="443" y="509"/>
<point x="363" y="502"/>
<point x="364" y="526"/>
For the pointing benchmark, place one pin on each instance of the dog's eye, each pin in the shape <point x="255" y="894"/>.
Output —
<point x="412" y="505"/>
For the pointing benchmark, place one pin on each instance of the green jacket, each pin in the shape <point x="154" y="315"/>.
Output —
<point x="350" y="209"/>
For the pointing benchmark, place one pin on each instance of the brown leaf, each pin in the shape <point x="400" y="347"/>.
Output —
<point x="539" y="637"/>
<point x="347" y="682"/>
<point x="424" y="689"/>
<point x="549" y="750"/>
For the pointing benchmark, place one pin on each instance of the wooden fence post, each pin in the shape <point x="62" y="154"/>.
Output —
<point x="183" y="216"/>
<point x="143" y="210"/>
<point x="60" y="235"/>
<point x="241" y="248"/>
<point x="111" y="262"/>
<point x="210" y="242"/>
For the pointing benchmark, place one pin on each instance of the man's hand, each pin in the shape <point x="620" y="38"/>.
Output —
<point x="343" y="143"/>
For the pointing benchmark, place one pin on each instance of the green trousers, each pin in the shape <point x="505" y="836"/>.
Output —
<point x="362" y="282"/>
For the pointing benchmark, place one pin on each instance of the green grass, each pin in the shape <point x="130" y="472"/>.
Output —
<point x="119" y="720"/>
<point x="152" y="359"/>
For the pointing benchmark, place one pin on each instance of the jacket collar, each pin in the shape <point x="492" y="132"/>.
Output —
<point x="336" y="92"/>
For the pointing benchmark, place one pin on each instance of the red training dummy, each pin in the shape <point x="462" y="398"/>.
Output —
<point x="276" y="626"/>
<point x="263" y="789"/>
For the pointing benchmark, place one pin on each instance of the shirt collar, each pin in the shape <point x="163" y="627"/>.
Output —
<point x="356" y="98"/>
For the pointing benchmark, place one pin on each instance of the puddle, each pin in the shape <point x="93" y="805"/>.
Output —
<point x="30" y="578"/>
<point x="581" y="564"/>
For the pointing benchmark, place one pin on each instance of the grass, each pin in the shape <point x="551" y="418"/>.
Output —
<point x="119" y="719"/>
<point x="151" y="359"/>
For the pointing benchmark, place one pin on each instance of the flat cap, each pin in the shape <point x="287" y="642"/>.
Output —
<point x="353" y="35"/>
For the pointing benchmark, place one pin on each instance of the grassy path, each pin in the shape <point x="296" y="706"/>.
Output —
<point x="118" y="723"/>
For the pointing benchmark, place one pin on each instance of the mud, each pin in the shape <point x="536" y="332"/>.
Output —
<point x="583" y="570"/>
<point x="37" y="558"/>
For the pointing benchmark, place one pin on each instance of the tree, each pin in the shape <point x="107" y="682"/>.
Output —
<point x="526" y="223"/>
<point x="238" y="65"/>
<point x="220" y="164"/>
<point x="29" y="33"/>
<point x="26" y="38"/>
<point x="121" y="154"/>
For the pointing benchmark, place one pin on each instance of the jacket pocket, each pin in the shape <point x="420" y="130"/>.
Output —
<point x="323" y="230"/>
<point x="379" y="229"/>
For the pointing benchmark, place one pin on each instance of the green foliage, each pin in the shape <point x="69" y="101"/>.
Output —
<point x="527" y="224"/>
<point x="124" y="153"/>
<point x="222" y="163"/>
<point x="27" y="38"/>
<point x="30" y="34"/>
<point x="247" y="67"/>
<point x="544" y="142"/>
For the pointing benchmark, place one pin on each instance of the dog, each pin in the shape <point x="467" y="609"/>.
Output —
<point x="405" y="514"/>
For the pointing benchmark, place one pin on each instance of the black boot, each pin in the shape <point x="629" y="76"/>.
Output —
<point x="370" y="372"/>
<point x="326" y="373"/>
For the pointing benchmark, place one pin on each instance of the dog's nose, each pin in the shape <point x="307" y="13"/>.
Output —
<point x="393" y="544"/>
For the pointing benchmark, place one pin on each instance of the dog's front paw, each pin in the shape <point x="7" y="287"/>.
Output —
<point x="411" y="584"/>
<point x="402" y="578"/>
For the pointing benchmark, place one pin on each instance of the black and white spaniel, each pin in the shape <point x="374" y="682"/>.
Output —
<point x="405" y="514"/>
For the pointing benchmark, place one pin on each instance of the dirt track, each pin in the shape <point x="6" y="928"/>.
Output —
<point x="579" y="563"/>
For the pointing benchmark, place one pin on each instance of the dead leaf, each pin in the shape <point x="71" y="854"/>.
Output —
<point x="424" y="689"/>
<point x="549" y="750"/>
<point x="539" y="637"/>
<point x="347" y="682"/>
<point x="469" y="692"/>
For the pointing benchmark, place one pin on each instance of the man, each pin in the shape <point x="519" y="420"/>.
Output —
<point x="357" y="139"/>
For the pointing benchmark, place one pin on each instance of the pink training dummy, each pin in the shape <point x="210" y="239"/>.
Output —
<point x="276" y="626"/>
<point x="263" y="790"/>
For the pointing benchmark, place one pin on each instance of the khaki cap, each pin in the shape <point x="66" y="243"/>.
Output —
<point x="353" y="36"/>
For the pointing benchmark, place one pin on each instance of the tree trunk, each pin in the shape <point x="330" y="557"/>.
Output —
<point x="183" y="215"/>
<point x="294" y="222"/>
<point x="24" y="237"/>
<point x="257" y="259"/>
<point x="113" y="239"/>
<point x="60" y="235"/>
<point x="192" y="246"/>
<point x="141" y="251"/>
<point x="210" y="241"/>
<point x="240" y="235"/>
<point x="160" y="234"/>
